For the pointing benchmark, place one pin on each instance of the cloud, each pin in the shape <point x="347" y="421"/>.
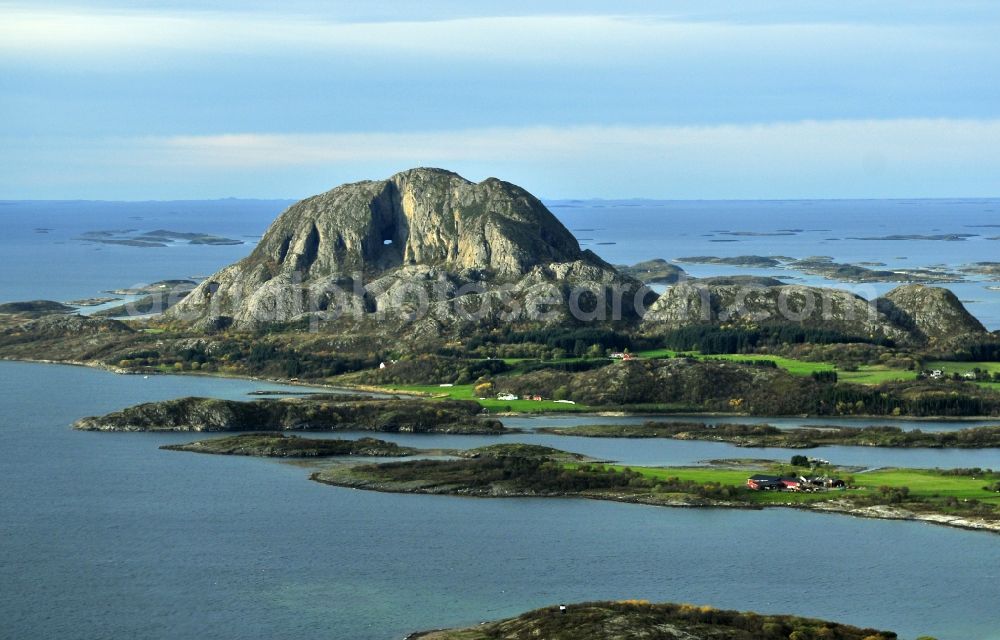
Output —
<point x="842" y="158"/>
<point x="81" y="36"/>
<point x="812" y="142"/>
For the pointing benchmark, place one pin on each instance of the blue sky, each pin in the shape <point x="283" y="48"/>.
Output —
<point x="769" y="99"/>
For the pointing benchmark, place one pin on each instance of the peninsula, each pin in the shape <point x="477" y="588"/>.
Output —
<point x="965" y="498"/>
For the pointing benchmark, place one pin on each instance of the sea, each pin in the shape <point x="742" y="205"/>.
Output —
<point x="104" y="535"/>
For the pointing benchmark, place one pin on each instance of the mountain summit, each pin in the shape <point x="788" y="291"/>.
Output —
<point x="363" y="241"/>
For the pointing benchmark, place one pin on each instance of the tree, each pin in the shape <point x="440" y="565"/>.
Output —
<point x="483" y="389"/>
<point x="800" y="461"/>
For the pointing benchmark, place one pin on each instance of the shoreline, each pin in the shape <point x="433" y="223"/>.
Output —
<point x="370" y="389"/>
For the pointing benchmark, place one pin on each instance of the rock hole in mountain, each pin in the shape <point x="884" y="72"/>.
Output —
<point x="310" y="249"/>
<point x="283" y="249"/>
<point x="388" y="244"/>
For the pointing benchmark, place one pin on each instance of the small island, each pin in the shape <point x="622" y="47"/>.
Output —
<point x="153" y="239"/>
<point x="269" y="445"/>
<point x="319" y="412"/>
<point x="629" y="619"/>
<point x="656" y="271"/>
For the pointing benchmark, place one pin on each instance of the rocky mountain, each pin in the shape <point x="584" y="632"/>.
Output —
<point x="423" y="236"/>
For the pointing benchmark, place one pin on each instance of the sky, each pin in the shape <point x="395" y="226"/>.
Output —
<point x="571" y="99"/>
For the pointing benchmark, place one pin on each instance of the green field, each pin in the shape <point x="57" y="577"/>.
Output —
<point x="464" y="392"/>
<point x="866" y="374"/>
<point x="875" y="374"/>
<point x="962" y="367"/>
<point x="922" y="483"/>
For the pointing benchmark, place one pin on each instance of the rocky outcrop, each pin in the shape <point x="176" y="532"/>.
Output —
<point x="424" y="237"/>
<point x="913" y="314"/>
<point x="930" y="313"/>
<point x="323" y="413"/>
<point x="754" y="304"/>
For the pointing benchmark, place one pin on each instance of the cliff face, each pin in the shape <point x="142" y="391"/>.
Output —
<point x="359" y="244"/>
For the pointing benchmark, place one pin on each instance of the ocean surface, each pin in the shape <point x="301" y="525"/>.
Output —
<point x="104" y="535"/>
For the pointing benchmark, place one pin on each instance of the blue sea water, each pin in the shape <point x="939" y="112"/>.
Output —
<point x="58" y="265"/>
<point x="103" y="535"/>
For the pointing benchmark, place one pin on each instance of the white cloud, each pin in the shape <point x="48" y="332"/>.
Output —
<point x="844" y="158"/>
<point x="810" y="142"/>
<point x="80" y="36"/>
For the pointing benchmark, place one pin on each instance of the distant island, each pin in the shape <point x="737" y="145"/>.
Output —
<point x="153" y="239"/>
